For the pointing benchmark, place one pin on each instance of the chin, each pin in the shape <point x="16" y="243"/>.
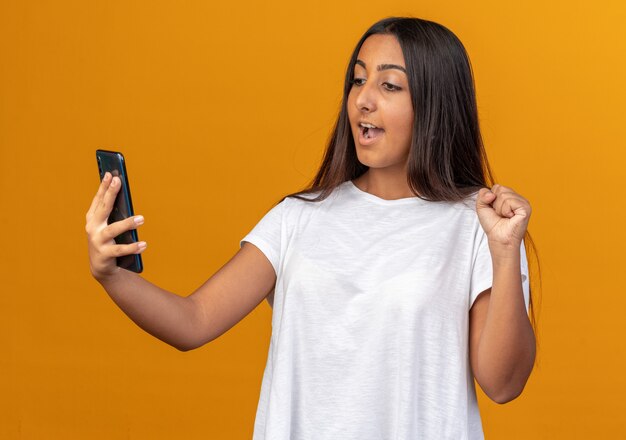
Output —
<point x="365" y="157"/>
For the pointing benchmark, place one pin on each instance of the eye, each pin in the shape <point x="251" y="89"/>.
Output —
<point x="387" y="86"/>
<point x="356" y="81"/>
<point x="391" y="87"/>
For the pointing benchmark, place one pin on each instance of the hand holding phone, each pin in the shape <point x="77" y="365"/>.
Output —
<point x="111" y="223"/>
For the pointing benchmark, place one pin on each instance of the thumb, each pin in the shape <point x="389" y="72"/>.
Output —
<point x="487" y="215"/>
<point x="485" y="198"/>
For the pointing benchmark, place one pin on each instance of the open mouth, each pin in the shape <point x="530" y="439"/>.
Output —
<point x="369" y="131"/>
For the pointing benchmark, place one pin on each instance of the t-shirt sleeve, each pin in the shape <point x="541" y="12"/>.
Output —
<point x="266" y="234"/>
<point x="482" y="271"/>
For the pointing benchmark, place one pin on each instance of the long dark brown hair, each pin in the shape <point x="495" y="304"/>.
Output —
<point x="447" y="159"/>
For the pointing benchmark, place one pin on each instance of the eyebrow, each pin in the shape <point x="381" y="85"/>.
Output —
<point x="383" y="66"/>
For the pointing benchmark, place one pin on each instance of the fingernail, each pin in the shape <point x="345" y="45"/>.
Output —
<point x="142" y="245"/>
<point x="114" y="182"/>
<point x="138" y="220"/>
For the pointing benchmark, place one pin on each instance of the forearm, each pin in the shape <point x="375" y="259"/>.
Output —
<point x="165" y="315"/>
<point x="506" y="350"/>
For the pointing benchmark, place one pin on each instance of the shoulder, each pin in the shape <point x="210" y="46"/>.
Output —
<point x="312" y="199"/>
<point x="460" y="218"/>
<point x="469" y="202"/>
<point x="461" y="210"/>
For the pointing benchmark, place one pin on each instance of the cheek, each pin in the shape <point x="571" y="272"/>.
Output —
<point x="350" y="106"/>
<point x="407" y="128"/>
<point x="407" y="120"/>
<point x="403" y="126"/>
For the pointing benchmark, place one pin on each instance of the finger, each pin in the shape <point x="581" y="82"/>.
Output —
<point x="104" y="184"/>
<point x="501" y="189"/>
<point x="500" y="200"/>
<point x="119" y="250"/>
<point x="507" y="208"/>
<point x="507" y="203"/>
<point x="520" y="206"/>
<point x="105" y="206"/>
<point x="117" y="228"/>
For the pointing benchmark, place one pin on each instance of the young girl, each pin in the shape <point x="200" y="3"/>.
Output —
<point x="395" y="279"/>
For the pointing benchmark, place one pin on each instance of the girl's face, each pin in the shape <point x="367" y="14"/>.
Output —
<point x="380" y="96"/>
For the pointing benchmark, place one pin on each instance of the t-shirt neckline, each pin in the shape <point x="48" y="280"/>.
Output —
<point x="372" y="198"/>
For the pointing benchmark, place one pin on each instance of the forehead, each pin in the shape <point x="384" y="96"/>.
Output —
<point x="379" y="48"/>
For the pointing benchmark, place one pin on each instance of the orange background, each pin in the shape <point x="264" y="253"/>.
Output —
<point x="220" y="110"/>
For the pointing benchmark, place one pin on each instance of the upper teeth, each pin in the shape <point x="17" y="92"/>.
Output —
<point x="363" y="124"/>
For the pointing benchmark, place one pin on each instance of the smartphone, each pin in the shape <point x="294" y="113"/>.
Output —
<point x="114" y="163"/>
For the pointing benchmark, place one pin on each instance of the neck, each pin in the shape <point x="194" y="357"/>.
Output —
<point x="384" y="184"/>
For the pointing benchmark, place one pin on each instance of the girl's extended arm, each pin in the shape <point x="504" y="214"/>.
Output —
<point x="183" y="322"/>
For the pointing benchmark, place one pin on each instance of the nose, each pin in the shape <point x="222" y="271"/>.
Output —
<point x="366" y="97"/>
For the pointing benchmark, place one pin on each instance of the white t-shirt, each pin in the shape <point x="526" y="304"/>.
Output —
<point x="370" y="318"/>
